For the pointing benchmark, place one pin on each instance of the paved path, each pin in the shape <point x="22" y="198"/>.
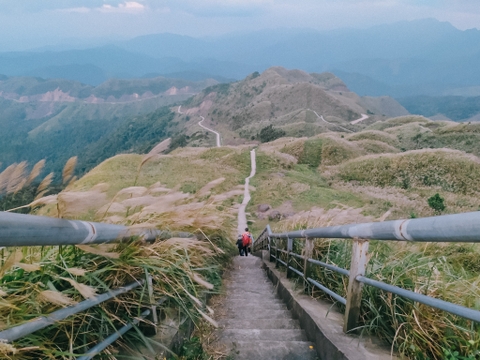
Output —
<point x="364" y="117"/>
<point x="254" y="323"/>
<point x="328" y="122"/>
<point x="213" y="131"/>
<point x="179" y="109"/>
<point x="242" y="217"/>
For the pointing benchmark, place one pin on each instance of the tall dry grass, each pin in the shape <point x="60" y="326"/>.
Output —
<point x="41" y="280"/>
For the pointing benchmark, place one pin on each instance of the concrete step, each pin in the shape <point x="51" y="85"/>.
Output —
<point x="260" y="324"/>
<point x="248" y="314"/>
<point x="264" y="334"/>
<point x="273" y="350"/>
<point x="249" y="290"/>
<point x="259" y="308"/>
<point x="264" y="299"/>
<point x="261" y="302"/>
<point x="260" y="288"/>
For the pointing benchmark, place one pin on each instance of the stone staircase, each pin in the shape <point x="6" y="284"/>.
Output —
<point x="254" y="323"/>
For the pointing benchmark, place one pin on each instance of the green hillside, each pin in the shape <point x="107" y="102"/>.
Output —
<point x="58" y="119"/>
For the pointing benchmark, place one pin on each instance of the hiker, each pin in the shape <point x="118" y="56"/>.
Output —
<point x="246" y="241"/>
<point x="240" y="245"/>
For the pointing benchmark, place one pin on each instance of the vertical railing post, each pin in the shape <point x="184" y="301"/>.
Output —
<point x="276" y="252"/>
<point x="270" y="248"/>
<point x="307" y="267"/>
<point x="289" y="249"/>
<point x="354" y="291"/>
<point x="152" y="298"/>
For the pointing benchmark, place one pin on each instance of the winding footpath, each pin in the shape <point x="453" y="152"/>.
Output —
<point x="364" y="117"/>
<point x="208" y="129"/>
<point x="328" y="122"/>
<point x="242" y="217"/>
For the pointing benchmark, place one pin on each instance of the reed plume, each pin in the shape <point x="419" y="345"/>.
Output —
<point x="68" y="170"/>
<point x="43" y="186"/>
<point x="37" y="169"/>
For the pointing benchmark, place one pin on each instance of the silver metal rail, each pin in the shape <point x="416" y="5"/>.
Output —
<point x="31" y="230"/>
<point x="97" y="349"/>
<point x="447" y="228"/>
<point x="19" y="331"/>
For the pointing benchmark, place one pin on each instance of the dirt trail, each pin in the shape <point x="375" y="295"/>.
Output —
<point x="208" y="129"/>
<point x="328" y="122"/>
<point x="364" y="117"/>
<point x="242" y="217"/>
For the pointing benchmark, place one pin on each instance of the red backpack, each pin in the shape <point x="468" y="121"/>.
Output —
<point x="246" y="240"/>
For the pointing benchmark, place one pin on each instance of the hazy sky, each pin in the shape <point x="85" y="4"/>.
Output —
<point x="30" y="23"/>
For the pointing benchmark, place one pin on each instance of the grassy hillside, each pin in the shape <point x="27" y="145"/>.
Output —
<point x="56" y="119"/>
<point x="301" y="104"/>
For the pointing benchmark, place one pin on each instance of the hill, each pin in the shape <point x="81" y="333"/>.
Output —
<point x="291" y="100"/>
<point x="55" y="119"/>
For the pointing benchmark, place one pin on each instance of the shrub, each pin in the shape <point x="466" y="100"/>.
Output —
<point x="436" y="202"/>
<point x="270" y="133"/>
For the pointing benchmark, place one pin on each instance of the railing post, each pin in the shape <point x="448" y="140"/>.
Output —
<point x="307" y="267"/>
<point x="289" y="249"/>
<point x="354" y="291"/>
<point x="276" y="253"/>
<point x="152" y="298"/>
<point x="270" y="248"/>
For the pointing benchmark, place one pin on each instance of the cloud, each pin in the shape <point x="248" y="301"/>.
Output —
<point x="222" y="8"/>
<point x="131" y="7"/>
<point x="126" y="7"/>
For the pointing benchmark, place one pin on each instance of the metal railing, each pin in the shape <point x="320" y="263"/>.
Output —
<point x="30" y="230"/>
<point x="459" y="228"/>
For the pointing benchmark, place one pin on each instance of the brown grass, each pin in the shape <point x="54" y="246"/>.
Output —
<point x="68" y="169"/>
<point x="37" y="169"/>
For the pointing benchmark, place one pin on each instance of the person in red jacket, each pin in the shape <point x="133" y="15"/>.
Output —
<point x="247" y="240"/>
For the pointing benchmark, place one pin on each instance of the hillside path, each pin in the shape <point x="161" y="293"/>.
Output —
<point x="364" y="117"/>
<point x="208" y="129"/>
<point x="242" y="217"/>
<point x="328" y="122"/>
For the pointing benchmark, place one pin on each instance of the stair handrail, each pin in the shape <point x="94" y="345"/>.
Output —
<point x="456" y="228"/>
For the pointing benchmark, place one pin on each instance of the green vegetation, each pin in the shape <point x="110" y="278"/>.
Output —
<point x="456" y="108"/>
<point x="312" y="153"/>
<point x="450" y="170"/>
<point x="270" y="133"/>
<point x="436" y="202"/>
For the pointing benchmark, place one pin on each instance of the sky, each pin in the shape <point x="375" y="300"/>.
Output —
<point x="34" y="23"/>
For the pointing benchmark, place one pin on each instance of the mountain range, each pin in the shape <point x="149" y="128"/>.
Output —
<point x="403" y="59"/>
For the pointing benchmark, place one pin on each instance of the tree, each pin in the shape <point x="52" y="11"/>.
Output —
<point x="436" y="202"/>
<point x="270" y="133"/>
